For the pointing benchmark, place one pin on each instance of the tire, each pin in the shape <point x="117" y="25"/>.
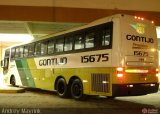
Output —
<point x="13" y="81"/>
<point x="77" y="90"/>
<point x="61" y="87"/>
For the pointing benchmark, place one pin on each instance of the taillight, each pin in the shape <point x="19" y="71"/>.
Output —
<point x="157" y="72"/>
<point x="119" y="72"/>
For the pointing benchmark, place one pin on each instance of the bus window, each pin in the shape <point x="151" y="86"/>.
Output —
<point x="68" y="44"/>
<point x="7" y="53"/>
<point x="21" y="51"/>
<point x="12" y="53"/>
<point x="31" y="50"/>
<point x="51" y="47"/>
<point x="44" y="48"/>
<point x="17" y="52"/>
<point x="59" y="45"/>
<point x="79" y="42"/>
<point x="89" y="40"/>
<point x="38" y="49"/>
<point x="26" y="51"/>
<point x="5" y="62"/>
<point x="106" y="37"/>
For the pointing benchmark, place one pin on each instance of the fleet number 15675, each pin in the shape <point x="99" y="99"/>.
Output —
<point x="95" y="58"/>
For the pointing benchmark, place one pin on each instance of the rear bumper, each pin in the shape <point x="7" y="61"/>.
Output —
<point x="134" y="89"/>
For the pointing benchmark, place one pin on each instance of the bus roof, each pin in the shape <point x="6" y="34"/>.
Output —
<point x="94" y="23"/>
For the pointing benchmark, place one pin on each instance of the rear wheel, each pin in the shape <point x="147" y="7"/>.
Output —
<point x="77" y="90"/>
<point x="13" y="81"/>
<point x="61" y="88"/>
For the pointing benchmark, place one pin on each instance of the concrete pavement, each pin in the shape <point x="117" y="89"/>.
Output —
<point x="44" y="102"/>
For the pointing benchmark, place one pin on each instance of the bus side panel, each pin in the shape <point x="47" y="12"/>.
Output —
<point x="73" y="65"/>
<point x="43" y="78"/>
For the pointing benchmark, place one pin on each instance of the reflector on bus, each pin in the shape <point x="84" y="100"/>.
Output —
<point x="136" y="71"/>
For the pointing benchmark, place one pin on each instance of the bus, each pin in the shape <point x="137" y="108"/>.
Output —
<point x="113" y="56"/>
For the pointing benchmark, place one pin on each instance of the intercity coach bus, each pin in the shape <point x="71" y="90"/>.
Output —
<point x="112" y="56"/>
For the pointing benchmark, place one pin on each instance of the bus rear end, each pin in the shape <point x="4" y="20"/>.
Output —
<point x="137" y="73"/>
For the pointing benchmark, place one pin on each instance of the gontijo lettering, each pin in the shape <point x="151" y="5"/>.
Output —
<point x="53" y="61"/>
<point x="139" y="38"/>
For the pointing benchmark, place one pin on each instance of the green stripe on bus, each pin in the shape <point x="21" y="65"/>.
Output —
<point x="24" y="72"/>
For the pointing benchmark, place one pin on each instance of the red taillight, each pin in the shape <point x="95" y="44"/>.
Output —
<point x="119" y="72"/>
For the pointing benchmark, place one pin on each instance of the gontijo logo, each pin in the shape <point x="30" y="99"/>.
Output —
<point x="139" y="27"/>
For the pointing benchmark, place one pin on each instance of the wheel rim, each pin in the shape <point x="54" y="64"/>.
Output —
<point x="77" y="90"/>
<point x="61" y="88"/>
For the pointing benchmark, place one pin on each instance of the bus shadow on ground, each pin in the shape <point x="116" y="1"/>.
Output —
<point x="98" y="105"/>
<point x="40" y="91"/>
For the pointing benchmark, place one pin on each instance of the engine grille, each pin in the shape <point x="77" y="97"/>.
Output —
<point x="100" y="82"/>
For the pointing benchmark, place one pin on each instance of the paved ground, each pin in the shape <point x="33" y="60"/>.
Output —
<point x="42" y="102"/>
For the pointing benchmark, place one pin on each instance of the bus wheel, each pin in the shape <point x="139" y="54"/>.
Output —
<point x="61" y="88"/>
<point x="13" y="81"/>
<point x="77" y="89"/>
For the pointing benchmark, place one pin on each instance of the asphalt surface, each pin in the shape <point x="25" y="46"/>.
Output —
<point x="44" y="102"/>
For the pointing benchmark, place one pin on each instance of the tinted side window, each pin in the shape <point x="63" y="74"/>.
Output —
<point x="21" y="51"/>
<point x="68" y="44"/>
<point x="59" y="45"/>
<point x="79" y="42"/>
<point x="38" y="48"/>
<point x="26" y="51"/>
<point x="44" y="48"/>
<point x="17" y="52"/>
<point x="51" y="47"/>
<point x="106" y="37"/>
<point x="7" y="53"/>
<point x="12" y="53"/>
<point x="89" y="40"/>
<point x="31" y="50"/>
